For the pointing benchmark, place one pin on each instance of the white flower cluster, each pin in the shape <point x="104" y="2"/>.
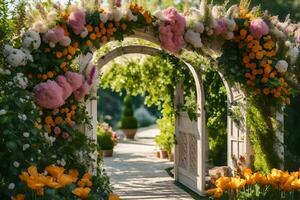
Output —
<point x="116" y="14"/>
<point x="49" y="139"/>
<point x="61" y="162"/>
<point x="19" y="57"/>
<point x="22" y="117"/>
<point x="20" y="81"/>
<point x="217" y="20"/>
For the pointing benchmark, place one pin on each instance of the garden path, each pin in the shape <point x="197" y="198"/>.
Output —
<point x="136" y="174"/>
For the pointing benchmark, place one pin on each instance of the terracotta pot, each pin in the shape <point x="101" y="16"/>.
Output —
<point x="129" y="133"/>
<point x="107" y="153"/>
<point x="171" y="157"/>
<point x="157" y="154"/>
<point x="163" y="154"/>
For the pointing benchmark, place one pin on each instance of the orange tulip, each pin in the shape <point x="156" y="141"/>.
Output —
<point x="19" y="197"/>
<point x="55" y="171"/>
<point x="81" y="192"/>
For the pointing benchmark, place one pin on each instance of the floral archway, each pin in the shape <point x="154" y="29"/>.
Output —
<point x="43" y="127"/>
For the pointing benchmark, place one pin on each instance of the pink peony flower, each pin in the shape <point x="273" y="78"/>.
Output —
<point x="82" y="91"/>
<point x="48" y="95"/>
<point x="54" y="35"/>
<point x="66" y="135"/>
<point x="221" y="27"/>
<point x="65" y="85"/>
<point x="259" y="28"/>
<point x="176" y="20"/>
<point x="57" y="131"/>
<point x="172" y="30"/>
<point x="75" y="80"/>
<point x="77" y="21"/>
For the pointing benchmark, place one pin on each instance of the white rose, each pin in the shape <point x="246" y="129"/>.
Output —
<point x="198" y="27"/>
<point x="193" y="38"/>
<point x="292" y="54"/>
<point x="104" y="17"/>
<point x="117" y="14"/>
<point x="84" y="33"/>
<point x="281" y="66"/>
<point x="31" y="40"/>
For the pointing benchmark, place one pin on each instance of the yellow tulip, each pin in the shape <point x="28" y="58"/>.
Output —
<point x="218" y="193"/>
<point x="55" y="171"/>
<point x="223" y="183"/>
<point x="81" y="192"/>
<point x="296" y="184"/>
<point x="237" y="183"/>
<point x="259" y="178"/>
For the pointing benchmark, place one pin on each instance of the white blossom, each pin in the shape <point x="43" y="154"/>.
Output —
<point x="26" y="146"/>
<point x="117" y="14"/>
<point x="281" y="66"/>
<point x="84" y="33"/>
<point x="293" y="54"/>
<point x="198" y="27"/>
<point x="26" y="134"/>
<point x="3" y="112"/>
<point x="11" y="186"/>
<point x="16" y="164"/>
<point x="15" y="57"/>
<point x="104" y="17"/>
<point x="40" y="27"/>
<point x="21" y="81"/>
<point x="193" y="38"/>
<point x="31" y="40"/>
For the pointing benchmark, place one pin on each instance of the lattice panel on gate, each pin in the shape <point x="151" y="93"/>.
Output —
<point x="183" y="150"/>
<point x="193" y="154"/>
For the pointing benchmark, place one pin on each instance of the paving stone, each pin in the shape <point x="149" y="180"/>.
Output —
<point x="136" y="174"/>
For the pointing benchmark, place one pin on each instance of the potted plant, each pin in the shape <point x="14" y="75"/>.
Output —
<point x="129" y="123"/>
<point x="106" y="139"/>
<point x="166" y="140"/>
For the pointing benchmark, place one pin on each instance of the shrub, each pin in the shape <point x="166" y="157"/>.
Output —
<point x="106" y="137"/>
<point x="165" y="139"/>
<point x="128" y="121"/>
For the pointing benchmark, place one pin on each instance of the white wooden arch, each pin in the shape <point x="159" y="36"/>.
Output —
<point x="191" y="148"/>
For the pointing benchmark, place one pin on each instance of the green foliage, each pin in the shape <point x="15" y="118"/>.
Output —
<point x="104" y="140"/>
<point x="128" y="120"/>
<point x="216" y="116"/>
<point x="166" y="139"/>
<point x="261" y="126"/>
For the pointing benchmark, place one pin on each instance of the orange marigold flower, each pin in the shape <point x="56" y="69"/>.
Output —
<point x="93" y="36"/>
<point x="58" y="120"/>
<point x="89" y="28"/>
<point x="48" y="120"/>
<point x="59" y="54"/>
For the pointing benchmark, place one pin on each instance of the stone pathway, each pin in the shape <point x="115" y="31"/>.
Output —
<point x="136" y="174"/>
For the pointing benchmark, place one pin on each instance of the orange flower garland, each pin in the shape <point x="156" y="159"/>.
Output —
<point x="259" y="59"/>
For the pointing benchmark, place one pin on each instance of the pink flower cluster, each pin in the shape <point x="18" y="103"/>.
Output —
<point x="56" y="35"/>
<point x="259" y="28"/>
<point x="221" y="27"/>
<point x="52" y="94"/>
<point x="77" y="21"/>
<point x="172" y="30"/>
